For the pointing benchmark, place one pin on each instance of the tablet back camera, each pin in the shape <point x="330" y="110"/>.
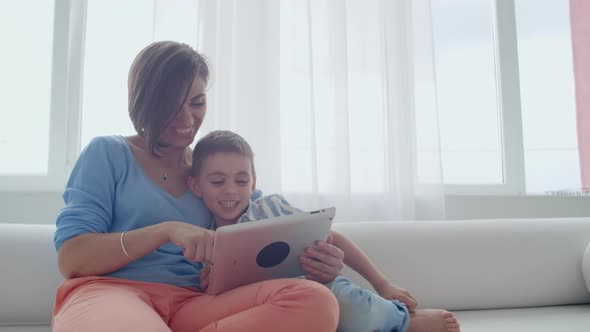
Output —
<point x="273" y="254"/>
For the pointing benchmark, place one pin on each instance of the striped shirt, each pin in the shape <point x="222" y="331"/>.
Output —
<point x="269" y="206"/>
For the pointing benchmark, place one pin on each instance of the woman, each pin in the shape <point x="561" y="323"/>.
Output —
<point x="132" y="238"/>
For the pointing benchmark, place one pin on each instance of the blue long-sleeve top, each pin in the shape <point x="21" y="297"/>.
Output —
<point x="109" y="192"/>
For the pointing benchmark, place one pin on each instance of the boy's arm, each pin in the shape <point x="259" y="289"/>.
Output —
<point x="356" y="259"/>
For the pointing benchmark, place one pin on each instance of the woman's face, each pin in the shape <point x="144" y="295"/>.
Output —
<point x="181" y="132"/>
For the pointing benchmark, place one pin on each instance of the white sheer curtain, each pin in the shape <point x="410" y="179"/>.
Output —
<point x="337" y="98"/>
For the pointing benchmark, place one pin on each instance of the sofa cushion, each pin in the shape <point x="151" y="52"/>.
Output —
<point x="29" y="275"/>
<point x="479" y="264"/>
<point x="573" y="318"/>
<point x="451" y="264"/>
<point x="586" y="266"/>
<point x="26" y="328"/>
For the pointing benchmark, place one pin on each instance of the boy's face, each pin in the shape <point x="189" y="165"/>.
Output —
<point x="225" y="184"/>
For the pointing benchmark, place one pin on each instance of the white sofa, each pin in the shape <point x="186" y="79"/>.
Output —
<point x="498" y="275"/>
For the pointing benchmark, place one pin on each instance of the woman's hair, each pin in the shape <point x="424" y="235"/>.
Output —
<point x="159" y="81"/>
<point x="220" y="141"/>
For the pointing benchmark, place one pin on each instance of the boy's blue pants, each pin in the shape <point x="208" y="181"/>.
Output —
<point x="362" y="310"/>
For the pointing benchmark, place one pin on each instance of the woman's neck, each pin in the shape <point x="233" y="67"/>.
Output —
<point x="175" y="157"/>
<point x="168" y="157"/>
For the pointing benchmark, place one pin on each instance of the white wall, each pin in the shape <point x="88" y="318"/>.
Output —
<point x="43" y="207"/>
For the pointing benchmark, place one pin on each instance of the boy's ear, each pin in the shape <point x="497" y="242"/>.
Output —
<point x="193" y="185"/>
<point x="254" y="185"/>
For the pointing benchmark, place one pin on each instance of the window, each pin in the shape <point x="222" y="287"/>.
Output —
<point x="109" y="27"/>
<point x="41" y="73"/>
<point x="466" y="89"/>
<point x="547" y="96"/>
<point x="25" y="64"/>
<point x="124" y="27"/>
<point x="496" y="62"/>
<point x="476" y="43"/>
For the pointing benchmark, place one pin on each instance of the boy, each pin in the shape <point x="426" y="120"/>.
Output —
<point x="223" y="175"/>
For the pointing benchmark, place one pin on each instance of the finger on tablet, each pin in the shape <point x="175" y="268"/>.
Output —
<point x="327" y="263"/>
<point x="312" y="266"/>
<point x="306" y="267"/>
<point x="309" y="261"/>
<point x="329" y="249"/>
<point x="321" y="256"/>
<point x="330" y="239"/>
<point x="321" y="244"/>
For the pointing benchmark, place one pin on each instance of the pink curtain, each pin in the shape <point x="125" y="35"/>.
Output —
<point x="579" y="13"/>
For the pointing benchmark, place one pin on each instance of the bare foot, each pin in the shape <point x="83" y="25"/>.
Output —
<point x="433" y="320"/>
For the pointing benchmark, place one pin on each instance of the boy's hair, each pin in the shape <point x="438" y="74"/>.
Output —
<point x="221" y="141"/>
<point x="159" y="81"/>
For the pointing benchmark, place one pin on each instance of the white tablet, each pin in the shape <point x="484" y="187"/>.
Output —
<point x="265" y="249"/>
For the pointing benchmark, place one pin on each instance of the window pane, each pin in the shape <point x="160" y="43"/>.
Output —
<point x="552" y="170"/>
<point x="466" y="91"/>
<point x="547" y="95"/>
<point x="115" y="32"/>
<point x="26" y="31"/>
<point x="112" y="41"/>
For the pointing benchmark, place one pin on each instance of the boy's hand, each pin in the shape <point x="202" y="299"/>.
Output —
<point x="392" y="292"/>
<point x="204" y="277"/>
<point x="323" y="263"/>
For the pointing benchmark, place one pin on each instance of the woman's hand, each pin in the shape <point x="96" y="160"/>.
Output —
<point x="324" y="262"/>
<point x="390" y="291"/>
<point x="197" y="242"/>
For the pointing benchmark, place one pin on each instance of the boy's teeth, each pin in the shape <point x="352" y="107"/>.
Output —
<point x="228" y="203"/>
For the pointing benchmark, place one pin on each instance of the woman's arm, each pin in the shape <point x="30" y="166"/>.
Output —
<point x="95" y="254"/>
<point x="85" y="246"/>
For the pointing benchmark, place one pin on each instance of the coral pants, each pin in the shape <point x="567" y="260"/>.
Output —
<point x="109" y="304"/>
